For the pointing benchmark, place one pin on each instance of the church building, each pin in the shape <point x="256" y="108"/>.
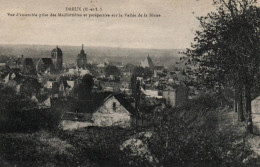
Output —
<point x="82" y="59"/>
<point x="147" y="62"/>
<point x="57" y="59"/>
<point x="34" y="66"/>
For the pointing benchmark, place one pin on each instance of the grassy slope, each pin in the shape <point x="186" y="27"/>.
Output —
<point x="100" y="146"/>
<point x="38" y="149"/>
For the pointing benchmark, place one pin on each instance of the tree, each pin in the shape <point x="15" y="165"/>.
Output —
<point x="86" y="86"/>
<point x="226" y="49"/>
<point x="16" y="110"/>
<point x="112" y="70"/>
<point x="4" y="58"/>
<point x="143" y="72"/>
<point x="30" y="86"/>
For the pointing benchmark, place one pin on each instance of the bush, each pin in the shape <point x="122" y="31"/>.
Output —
<point x="19" y="113"/>
<point x="29" y="120"/>
<point x="188" y="136"/>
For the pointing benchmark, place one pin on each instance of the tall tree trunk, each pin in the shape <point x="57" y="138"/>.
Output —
<point x="235" y="105"/>
<point x="220" y="94"/>
<point x="137" y="100"/>
<point x="248" y="108"/>
<point x="235" y="99"/>
<point x="240" y="112"/>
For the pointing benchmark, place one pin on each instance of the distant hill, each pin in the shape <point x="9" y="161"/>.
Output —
<point x="96" y="54"/>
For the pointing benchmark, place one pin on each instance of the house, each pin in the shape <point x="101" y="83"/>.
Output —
<point x="129" y="67"/>
<point x="12" y="79"/>
<point x="72" y="120"/>
<point x="193" y="92"/>
<point x="151" y="102"/>
<point x="175" y="96"/>
<point x="14" y="63"/>
<point x="54" y="91"/>
<point x="118" y="64"/>
<point x="110" y="86"/>
<point x="104" y="109"/>
<point x="48" y="85"/>
<point x="125" y="88"/>
<point x="151" y="93"/>
<point x="158" y="69"/>
<point x="102" y="65"/>
<point x="29" y="65"/>
<point x="128" y="70"/>
<point x="71" y="71"/>
<point x="71" y="85"/>
<point x="111" y="78"/>
<point x="11" y="83"/>
<point x="44" y="65"/>
<point x="36" y="65"/>
<point x="114" y="111"/>
<point x="18" y="88"/>
<point x="126" y="74"/>
<point x="2" y="66"/>
<point x="83" y="72"/>
<point x="125" y="85"/>
<point x="108" y="89"/>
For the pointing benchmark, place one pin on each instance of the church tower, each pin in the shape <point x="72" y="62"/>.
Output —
<point x="147" y="62"/>
<point x="57" y="59"/>
<point x="82" y="59"/>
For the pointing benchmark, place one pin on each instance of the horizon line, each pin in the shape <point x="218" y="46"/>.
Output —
<point x="80" y="45"/>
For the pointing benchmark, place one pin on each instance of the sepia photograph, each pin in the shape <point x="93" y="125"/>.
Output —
<point x="130" y="83"/>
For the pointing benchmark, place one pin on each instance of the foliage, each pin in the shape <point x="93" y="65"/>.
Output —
<point x="112" y="70"/>
<point x="191" y="136"/>
<point x="226" y="49"/>
<point x="188" y="136"/>
<point x="225" y="45"/>
<point x="19" y="113"/>
<point x="37" y="149"/>
<point x="4" y="58"/>
<point x="30" y="86"/>
<point x="85" y="87"/>
<point x="134" y="84"/>
<point x="143" y="72"/>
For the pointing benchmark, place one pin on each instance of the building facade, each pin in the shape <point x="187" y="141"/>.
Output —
<point x="175" y="97"/>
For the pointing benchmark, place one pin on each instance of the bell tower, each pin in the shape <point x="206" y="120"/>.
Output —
<point x="57" y="58"/>
<point x="82" y="58"/>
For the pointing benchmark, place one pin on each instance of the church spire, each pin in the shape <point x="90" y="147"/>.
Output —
<point x="82" y="58"/>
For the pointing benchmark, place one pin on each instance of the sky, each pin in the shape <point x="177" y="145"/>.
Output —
<point x="173" y="30"/>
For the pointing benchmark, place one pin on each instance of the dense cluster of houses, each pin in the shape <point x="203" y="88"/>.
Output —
<point x="116" y="105"/>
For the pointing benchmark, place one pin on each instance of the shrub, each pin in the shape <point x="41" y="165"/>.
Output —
<point x="29" y="120"/>
<point x="19" y="113"/>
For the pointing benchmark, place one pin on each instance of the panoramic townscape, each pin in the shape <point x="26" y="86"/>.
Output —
<point x="65" y="102"/>
<point x="95" y="94"/>
<point x="46" y="93"/>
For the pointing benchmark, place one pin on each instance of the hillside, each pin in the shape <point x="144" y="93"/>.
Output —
<point x="96" y="54"/>
<point x="200" y="135"/>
